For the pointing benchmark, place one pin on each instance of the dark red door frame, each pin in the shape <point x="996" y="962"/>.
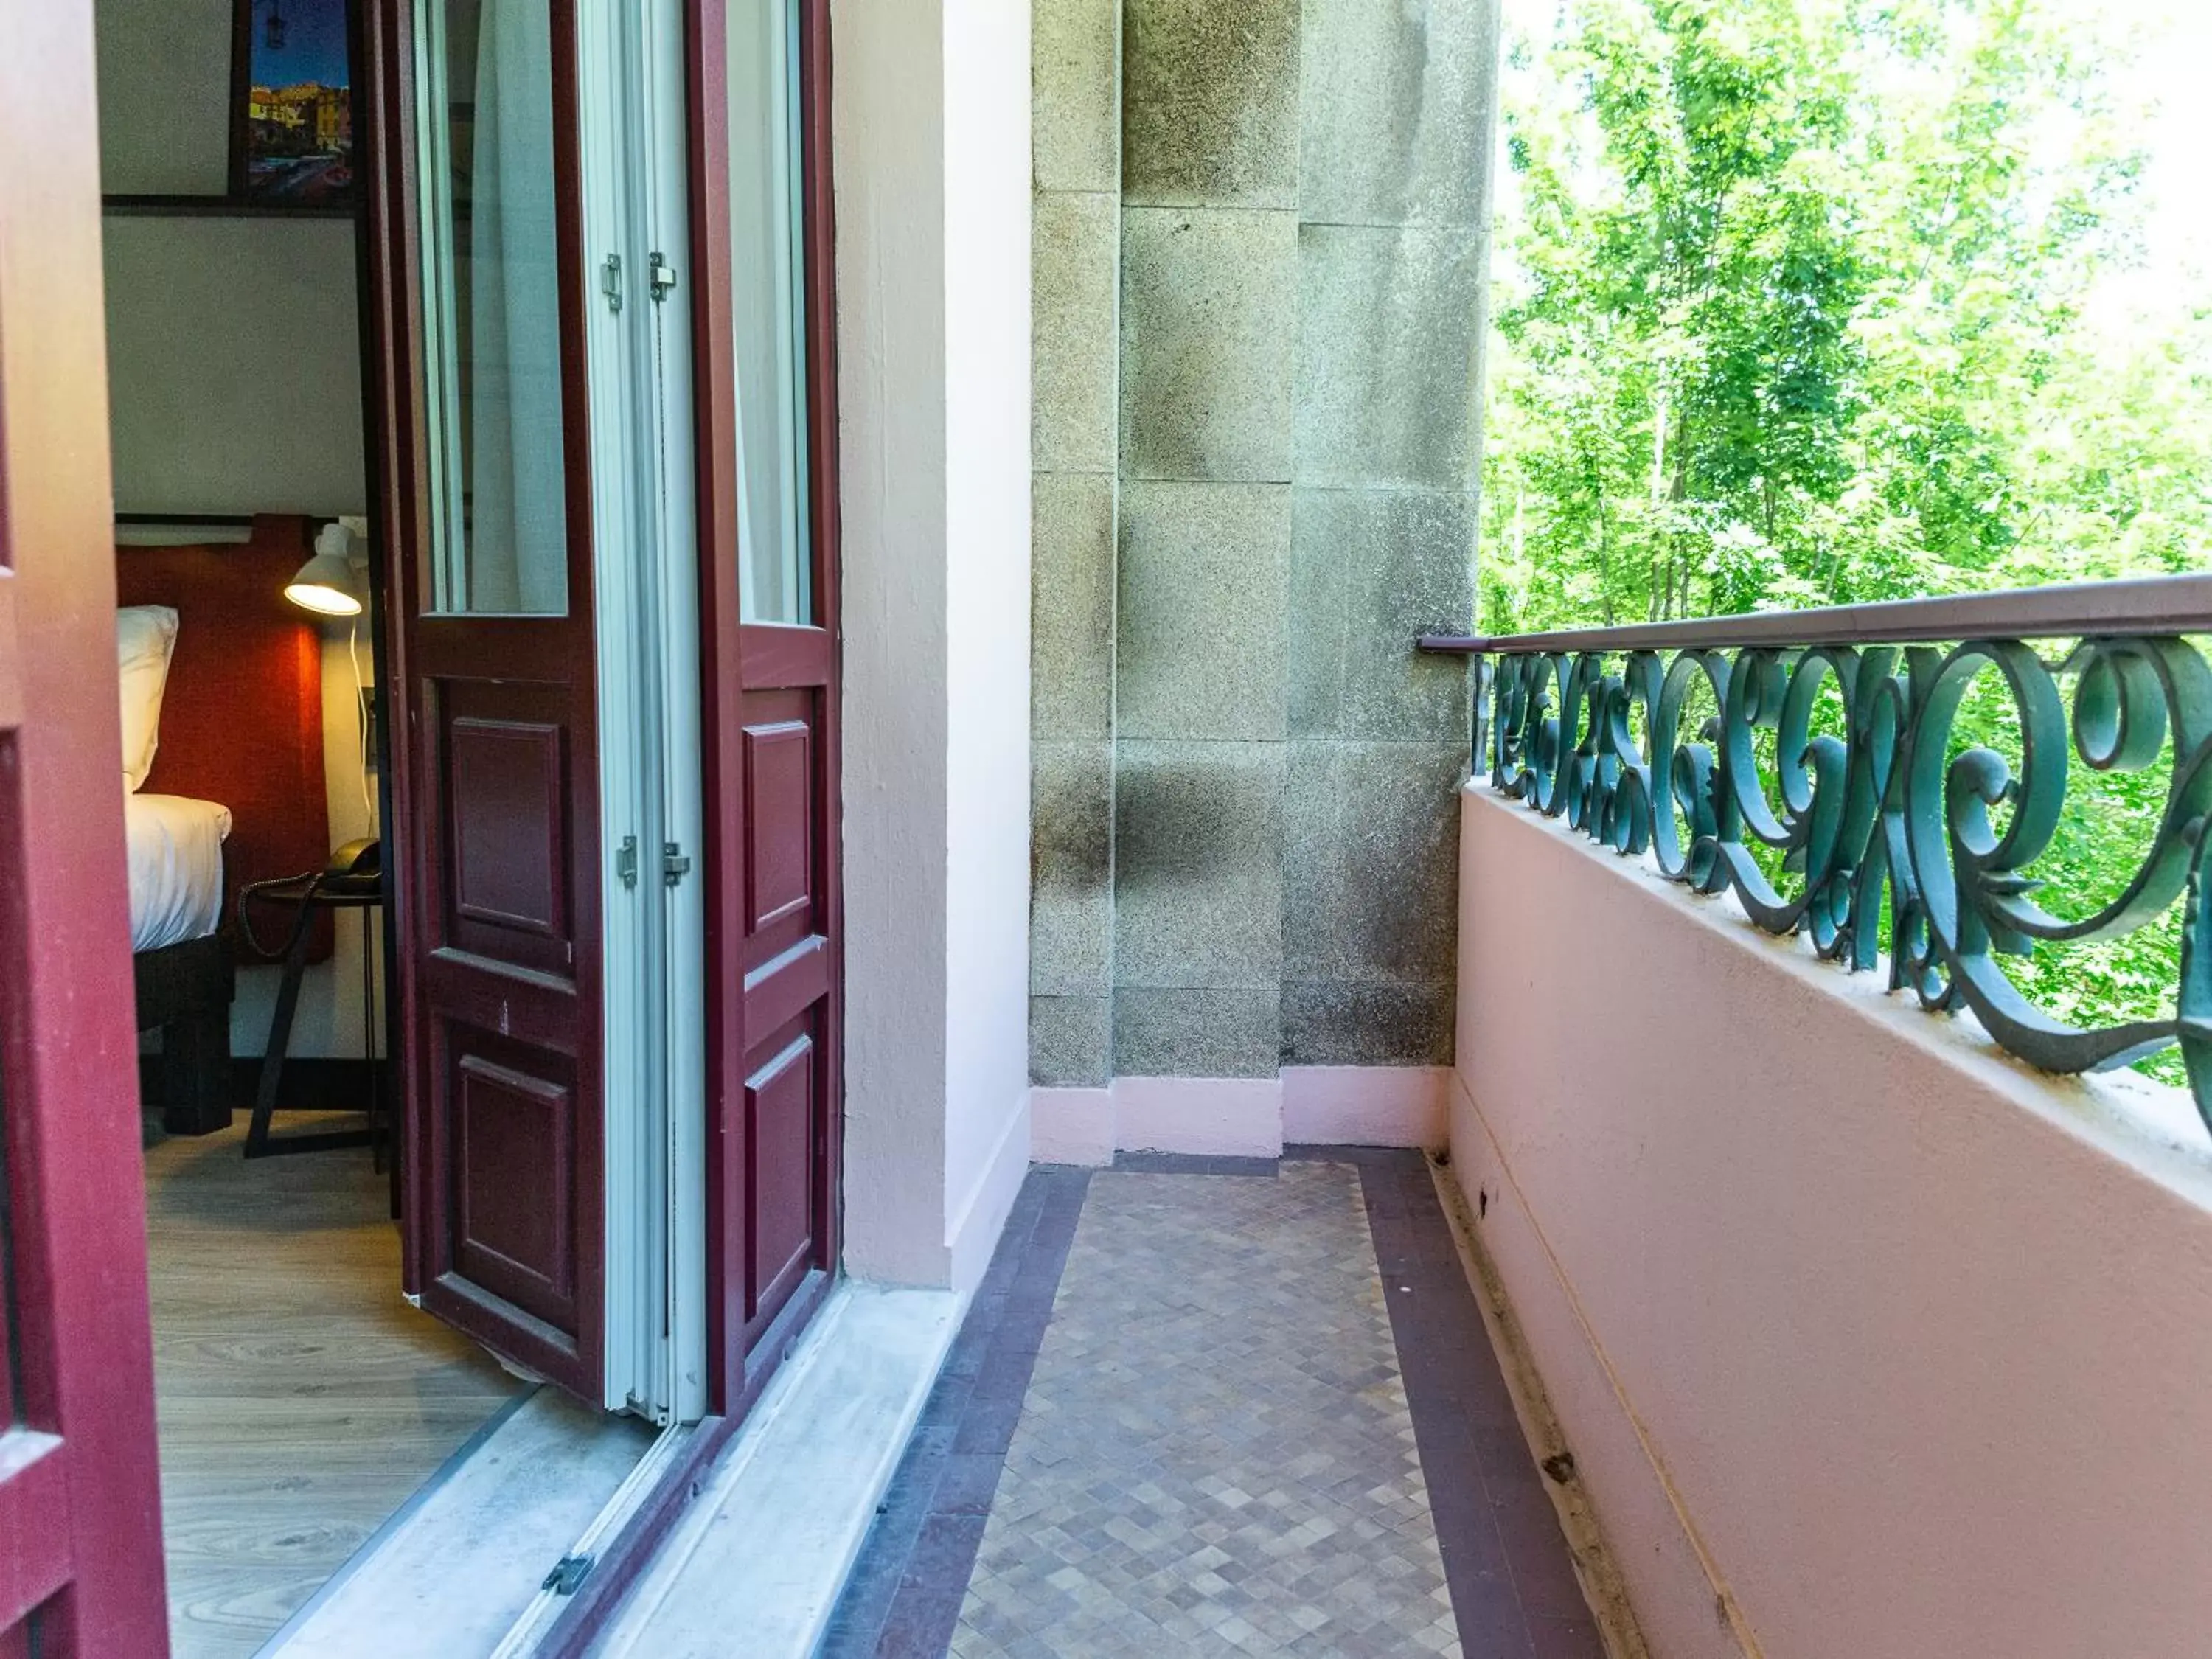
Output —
<point x="80" y="1572"/>
<point x="823" y="493"/>
<point x="399" y="491"/>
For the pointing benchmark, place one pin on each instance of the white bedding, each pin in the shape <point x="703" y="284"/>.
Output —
<point x="176" y="868"/>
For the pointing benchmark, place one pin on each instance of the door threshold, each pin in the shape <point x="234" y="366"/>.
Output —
<point x="760" y="1560"/>
<point x="629" y="1501"/>
<point x="464" y="1561"/>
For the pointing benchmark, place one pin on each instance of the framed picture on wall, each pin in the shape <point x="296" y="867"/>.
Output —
<point x="291" y="122"/>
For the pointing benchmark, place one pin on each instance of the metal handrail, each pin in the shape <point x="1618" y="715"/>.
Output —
<point x="1817" y="764"/>
<point x="2147" y="605"/>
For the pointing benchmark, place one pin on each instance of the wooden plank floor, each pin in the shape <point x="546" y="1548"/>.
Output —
<point x="300" y="1399"/>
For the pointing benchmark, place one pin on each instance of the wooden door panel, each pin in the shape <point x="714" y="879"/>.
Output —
<point x="504" y="761"/>
<point x="80" y="1564"/>
<point x="769" y="699"/>
<point x="789" y="956"/>
<point x="510" y="1225"/>
<point x="514" y="1182"/>
<point x="494" y="842"/>
<point x="780" y="1129"/>
<point x="506" y="816"/>
<point x="505" y="1262"/>
<point x="779" y="831"/>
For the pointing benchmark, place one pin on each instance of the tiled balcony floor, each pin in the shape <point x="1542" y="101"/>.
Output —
<point x="1220" y="1406"/>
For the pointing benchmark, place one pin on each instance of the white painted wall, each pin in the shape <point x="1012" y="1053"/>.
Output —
<point x="986" y="209"/>
<point x="164" y="95"/>
<point x="931" y="130"/>
<point x="1867" y="1341"/>
<point x="233" y="365"/>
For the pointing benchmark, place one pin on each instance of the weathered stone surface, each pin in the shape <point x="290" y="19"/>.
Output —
<point x="1395" y="111"/>
<point x="1071" y="867"/>
<point x="1071" y="1041"/>
<point x="1389" y="369"/>
<point x="1071" y="605"/>
<point x="1369" y="1023"/>
<point x="1074" y="340"/>
<point x="1209" y="330"/>
<point x="1187" y="1033"/>
<point x="1210" y="110"/>
<point x="1371" y="570"/>
<point x="1260" y="305"/>
<point x="1202" y="578"/>
<point x="1370" y="873"/>
<point x="1198" y="889"/>
<point x="1075" y="103"/>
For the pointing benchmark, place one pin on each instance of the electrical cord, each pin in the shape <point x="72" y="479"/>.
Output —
<point x="360" y="719"/>
<point x="254" y="890"/>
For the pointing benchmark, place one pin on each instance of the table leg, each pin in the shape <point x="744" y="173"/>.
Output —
<point x="280" y="1033"/>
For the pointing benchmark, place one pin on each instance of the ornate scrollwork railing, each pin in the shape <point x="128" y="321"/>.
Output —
<point x="1817" y="764"/>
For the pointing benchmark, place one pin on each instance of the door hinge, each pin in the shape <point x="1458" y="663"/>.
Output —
<point x="610" y="281"/>
<point x="660" y="277"/>
<point x="626" y="861"/>
<point x="568" y="1573"/>
<point x="674" y="866"/>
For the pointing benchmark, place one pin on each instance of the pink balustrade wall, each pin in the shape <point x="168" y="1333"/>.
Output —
<point x="1868" y="1341"/>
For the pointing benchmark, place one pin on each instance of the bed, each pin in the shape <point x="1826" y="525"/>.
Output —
<point x="231" y="791"/>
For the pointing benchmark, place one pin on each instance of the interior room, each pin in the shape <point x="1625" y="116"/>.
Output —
<point x="305" y="1408"/>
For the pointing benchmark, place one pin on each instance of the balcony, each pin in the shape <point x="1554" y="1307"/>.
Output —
<point x="1660" y="1196"/>
<point x="1784" y="1276"/>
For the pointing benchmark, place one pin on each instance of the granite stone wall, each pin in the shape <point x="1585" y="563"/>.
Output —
<point x="1261" y="230"/>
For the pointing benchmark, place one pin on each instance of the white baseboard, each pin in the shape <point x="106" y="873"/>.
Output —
<point x="1247" y="1117"/>
<point x="972" y="1234"/>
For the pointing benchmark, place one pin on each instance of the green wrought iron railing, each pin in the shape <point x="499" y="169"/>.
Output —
<point x="1888" y="779"/>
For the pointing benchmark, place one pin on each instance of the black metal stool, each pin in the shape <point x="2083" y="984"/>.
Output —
<point x="326" y="890"/>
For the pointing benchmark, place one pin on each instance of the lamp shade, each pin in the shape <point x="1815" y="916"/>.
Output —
<point x="325" y="584"/>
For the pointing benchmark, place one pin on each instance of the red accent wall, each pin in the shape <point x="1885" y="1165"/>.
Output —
<point x="242" y="718"/>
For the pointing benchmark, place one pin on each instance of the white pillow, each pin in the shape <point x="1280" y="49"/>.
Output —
<point x="145" y="636"/>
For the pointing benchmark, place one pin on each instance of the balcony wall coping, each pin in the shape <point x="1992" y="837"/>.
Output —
<point x="2147" y="605"/>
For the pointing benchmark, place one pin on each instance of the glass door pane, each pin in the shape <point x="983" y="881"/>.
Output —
<point x="769" y="312"/>
<point x="491" y="294"/>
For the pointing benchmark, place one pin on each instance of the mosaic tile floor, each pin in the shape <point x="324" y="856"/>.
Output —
<point x="1216" y="1447"/>
<point x="1178" y="1421"/>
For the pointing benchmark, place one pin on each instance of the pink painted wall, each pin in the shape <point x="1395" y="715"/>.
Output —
<point x="1868" y="1341"/>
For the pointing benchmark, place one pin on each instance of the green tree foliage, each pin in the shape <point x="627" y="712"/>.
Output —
<point x="1796" y="304"/>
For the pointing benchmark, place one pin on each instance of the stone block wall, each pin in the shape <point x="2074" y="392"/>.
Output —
<point x="1261" y="232"/>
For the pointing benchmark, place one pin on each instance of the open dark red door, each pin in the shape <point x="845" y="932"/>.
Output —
<point x="765" y="323"/>
<point x="477" y="266"/>
<point x="79" y="1509"/>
